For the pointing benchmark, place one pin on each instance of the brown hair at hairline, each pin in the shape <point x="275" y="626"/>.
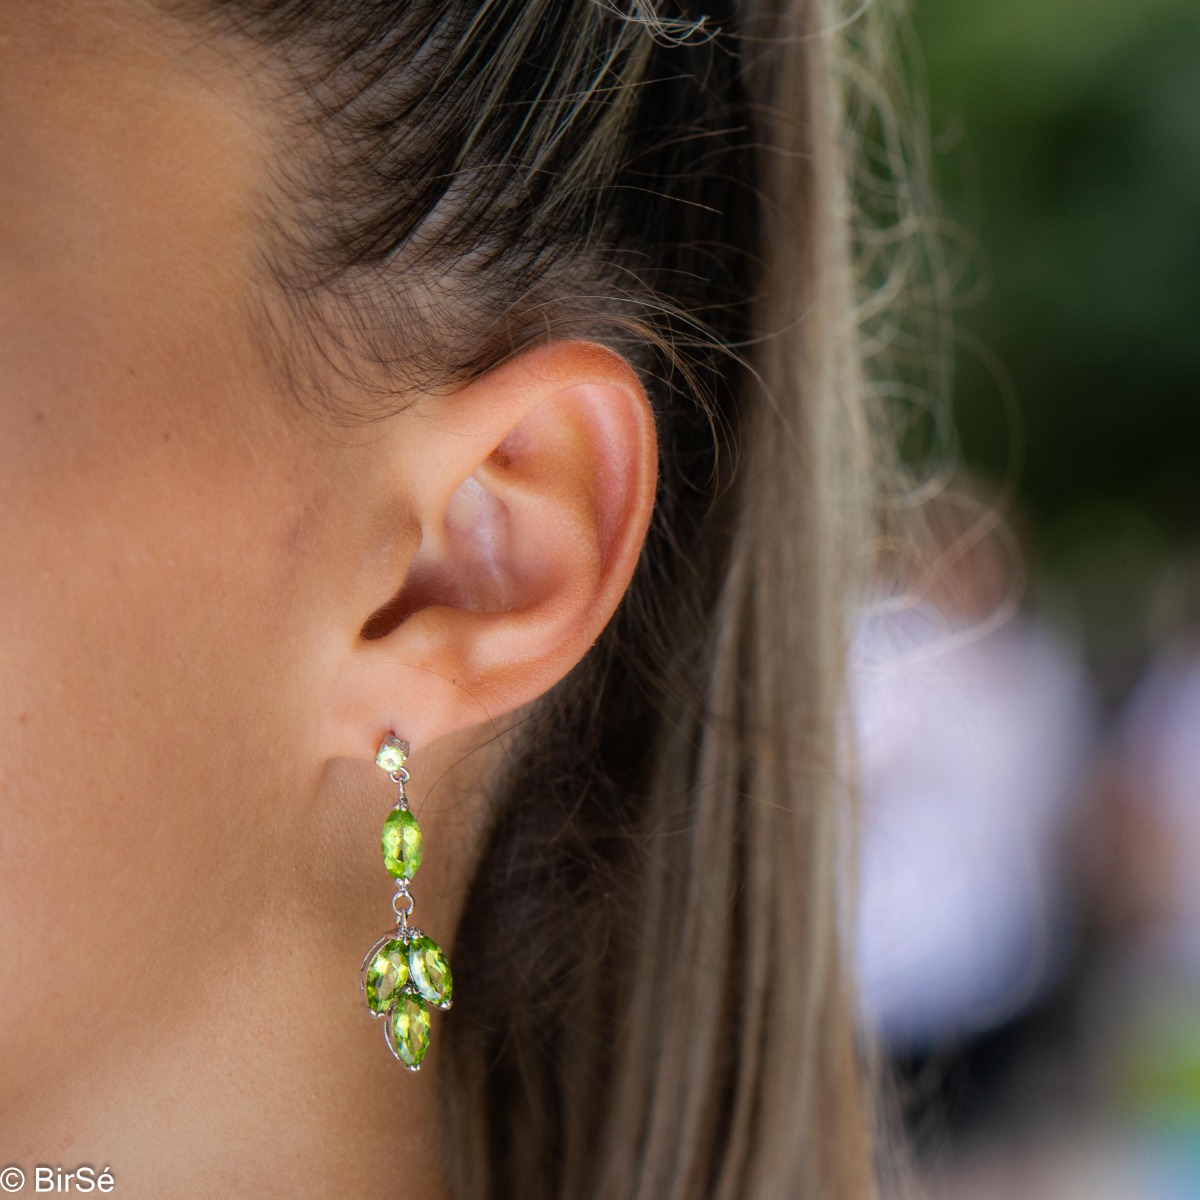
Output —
<point x="652" y="997"/>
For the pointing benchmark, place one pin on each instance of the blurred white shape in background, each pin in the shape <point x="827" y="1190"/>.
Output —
<point x="1159" y="747"/>
<point x="972" y="746"/>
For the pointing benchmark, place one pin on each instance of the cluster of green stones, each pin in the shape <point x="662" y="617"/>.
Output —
<point x="405" y="971"/>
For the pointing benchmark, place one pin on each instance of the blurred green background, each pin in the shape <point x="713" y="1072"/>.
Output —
<point x="1066" y="139"/>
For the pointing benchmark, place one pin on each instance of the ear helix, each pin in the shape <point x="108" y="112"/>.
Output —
<point x="404" y="972"/>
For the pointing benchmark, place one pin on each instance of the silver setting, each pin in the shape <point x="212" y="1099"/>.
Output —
<point x="400" y="778"/>
<point x="402" y="893"/>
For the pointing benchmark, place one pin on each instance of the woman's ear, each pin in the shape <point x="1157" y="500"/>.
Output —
<point x="533" y="488"/>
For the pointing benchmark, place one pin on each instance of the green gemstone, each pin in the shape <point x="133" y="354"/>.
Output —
<point x="408" y="1029"/>
<point x="387" y="975"/>
<point x="429" y="971"/>
<point x="392" y="754"/>
<point x="401" y="844"/>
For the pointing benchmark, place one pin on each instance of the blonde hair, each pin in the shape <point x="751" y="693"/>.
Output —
<point x="653" y="998"/>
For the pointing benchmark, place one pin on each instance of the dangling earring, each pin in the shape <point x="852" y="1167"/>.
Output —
<point x="404" y="971"/>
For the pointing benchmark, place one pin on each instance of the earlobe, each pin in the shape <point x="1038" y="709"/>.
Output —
<point x="534" y="487"/>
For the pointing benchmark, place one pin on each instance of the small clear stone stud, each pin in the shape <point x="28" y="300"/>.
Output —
<point x="392" y="754"/>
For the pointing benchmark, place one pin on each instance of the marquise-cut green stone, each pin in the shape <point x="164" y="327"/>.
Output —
<point x="408" y="1029"/>
<point x="401" y="844"/>
<point x="429" y="971"/>
<point x="386" y="975"/>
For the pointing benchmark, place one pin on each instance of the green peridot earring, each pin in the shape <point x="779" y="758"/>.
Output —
<point x="404" y="971"/>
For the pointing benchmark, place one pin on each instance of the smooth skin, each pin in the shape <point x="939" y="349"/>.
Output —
<point x="189" y="812"/>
